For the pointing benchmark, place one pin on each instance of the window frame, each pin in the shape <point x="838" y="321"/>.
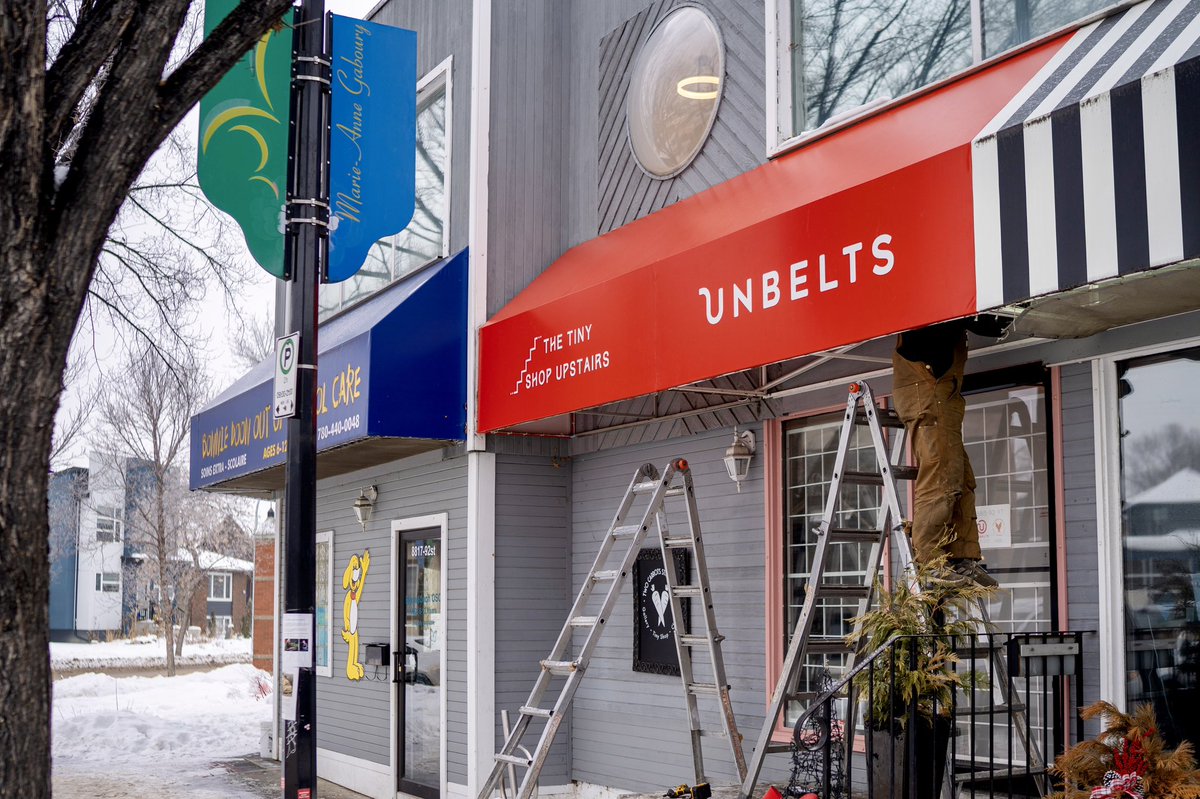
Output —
<point x="108" y="582"/>
<point x="780" y="139"/>
<point x="228" y="579"/>
<point x="1110" y="566"/>
<point x="326" y="670"/>
<point x="440" y="78"/>
<point x="117" y="534"/>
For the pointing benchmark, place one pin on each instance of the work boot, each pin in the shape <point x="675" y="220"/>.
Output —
<point x="973" y="571"/>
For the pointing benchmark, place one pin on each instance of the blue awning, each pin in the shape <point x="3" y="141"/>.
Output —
<point x="391" y="382"/>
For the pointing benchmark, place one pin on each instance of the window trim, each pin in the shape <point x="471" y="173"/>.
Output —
<point x="327" y="669"/>
<point x="101" y="583"/>
<point x="228" y="583"/>
<point x="778" y="27"/>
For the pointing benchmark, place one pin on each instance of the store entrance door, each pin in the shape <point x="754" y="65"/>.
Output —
<point x="419" y="664"/>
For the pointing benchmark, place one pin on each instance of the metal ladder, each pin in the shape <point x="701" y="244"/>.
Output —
<point x="606" y="581"/>
<point x="890" y="520"/>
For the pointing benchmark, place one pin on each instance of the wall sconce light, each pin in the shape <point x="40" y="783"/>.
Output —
<point x="738" y="456"/>
<point x="364" y="504"/>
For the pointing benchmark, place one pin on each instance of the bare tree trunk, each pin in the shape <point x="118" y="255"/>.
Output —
<point x="167" y="619"/>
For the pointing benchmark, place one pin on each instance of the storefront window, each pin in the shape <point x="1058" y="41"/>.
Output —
<point x="1008" y="23"/>
<point x="810" y="450"/>
<point x="324" y="592"/>
<point x="1160" y="512"/>
<point x="840" y="55"/>
<point x="422" y="242"/>
<point x="1005" y="434"/>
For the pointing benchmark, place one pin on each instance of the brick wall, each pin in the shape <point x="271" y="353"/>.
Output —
<point x="264" y="602"/>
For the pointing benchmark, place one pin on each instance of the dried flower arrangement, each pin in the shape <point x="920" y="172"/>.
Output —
<point x="1128" y="760"/>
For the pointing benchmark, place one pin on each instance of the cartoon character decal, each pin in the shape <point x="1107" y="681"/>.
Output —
<point x="353" y="580"/>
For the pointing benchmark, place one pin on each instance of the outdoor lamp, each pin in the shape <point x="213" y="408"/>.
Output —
<point x="738" y="456"/>
<point x="364" y="504"/>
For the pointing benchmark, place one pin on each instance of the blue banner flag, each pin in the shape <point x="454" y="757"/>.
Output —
<point x="372" y="139"/>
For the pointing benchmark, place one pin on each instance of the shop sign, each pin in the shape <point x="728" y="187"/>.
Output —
<point x="242" y="435"/>
<point x="653" y="621"/>
<point x="857" y="235"/>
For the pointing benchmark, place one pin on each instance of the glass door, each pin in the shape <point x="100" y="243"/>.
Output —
<point x="421" y="636"/>
<point x="1160" y="537"/>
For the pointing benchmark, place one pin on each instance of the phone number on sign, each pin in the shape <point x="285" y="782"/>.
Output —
<point x="337" y="428"/>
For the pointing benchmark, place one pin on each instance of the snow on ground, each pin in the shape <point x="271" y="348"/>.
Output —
<point x="146" y="652"/>
<point x="156" y="737"/>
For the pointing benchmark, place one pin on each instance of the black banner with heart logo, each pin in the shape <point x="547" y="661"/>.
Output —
<point x="653" y="621"/>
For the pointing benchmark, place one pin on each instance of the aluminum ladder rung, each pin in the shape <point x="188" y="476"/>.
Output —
<point x="560" y="667"/>
<point x="626" y="531"/>
<point x="584" y="621"/>
<point x="703" y="688"/>
<point x="855" y="477"/>
<point x="827" y="646"/>
<point x="647" y="486"/>
<point x="538" y="712"/>
<point x="847" y="535"/>
<point x="887" y="418"/>
<point x="606" y="575"/>
<point x="688" y="591"/>
<point x="515" y="760"/>
<point x="700" y="640"/>
<point x="843" y="591"/>
<point x="678" y="542"/>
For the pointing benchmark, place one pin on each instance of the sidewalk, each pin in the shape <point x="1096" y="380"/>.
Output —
<point x="261" y="776"/>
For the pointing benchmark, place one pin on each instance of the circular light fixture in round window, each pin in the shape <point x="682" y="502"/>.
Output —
<point x="674" y="91"/>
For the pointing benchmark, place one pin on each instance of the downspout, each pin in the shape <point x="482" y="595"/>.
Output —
<point x="481" y="464"/>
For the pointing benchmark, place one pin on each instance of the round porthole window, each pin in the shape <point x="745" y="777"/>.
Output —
<point x="674" y="91"/>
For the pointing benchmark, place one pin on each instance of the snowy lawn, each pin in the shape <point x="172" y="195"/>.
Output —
<point x="156" y="736"/>
<point x="145" y="652"/>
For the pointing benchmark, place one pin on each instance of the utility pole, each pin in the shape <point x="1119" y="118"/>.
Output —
<point x="306" y="252"/>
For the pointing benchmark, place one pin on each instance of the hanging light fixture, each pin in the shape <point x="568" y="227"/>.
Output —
<point x="701" y="86"/>
<point x="364" y="504"/>
<point x="738" y="456"/>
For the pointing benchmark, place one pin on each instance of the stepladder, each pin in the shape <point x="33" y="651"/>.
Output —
<point x="653" y="501"/>
<point x="827" y="595"/>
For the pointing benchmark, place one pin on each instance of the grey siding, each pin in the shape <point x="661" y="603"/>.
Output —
<point x="629" y="729"/>
<point x="355" y="716"/>
<point x="533" y="585"/>
<point x="443" y="29"/>
<point x="1079" y="515"/>
<point x="736" y="143"/>
<point x="548" y="175"/>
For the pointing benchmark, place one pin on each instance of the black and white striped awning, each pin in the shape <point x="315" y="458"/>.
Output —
<point x="1093" y="170"/>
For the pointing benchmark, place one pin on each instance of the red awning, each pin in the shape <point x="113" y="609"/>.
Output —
<point x="863" y="233"/>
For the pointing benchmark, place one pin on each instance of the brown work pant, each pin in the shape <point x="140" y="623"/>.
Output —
<point x="932" y="409"/>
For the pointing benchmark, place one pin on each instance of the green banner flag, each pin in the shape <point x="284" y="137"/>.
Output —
<point x="242" y="162"/>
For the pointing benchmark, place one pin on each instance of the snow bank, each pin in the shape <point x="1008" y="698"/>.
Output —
<point x="147" y="652"/>
<point x="157" y="725"/>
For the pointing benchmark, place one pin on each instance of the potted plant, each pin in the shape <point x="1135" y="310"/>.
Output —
<point x="912" y="691"/>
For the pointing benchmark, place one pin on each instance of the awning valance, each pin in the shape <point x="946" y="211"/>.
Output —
<point x="859" y="234"/>
<point x="391" y="372"/>
<point x="1092" y="170"/>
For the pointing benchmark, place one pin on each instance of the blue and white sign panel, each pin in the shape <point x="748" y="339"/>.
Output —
<point x="372" y="140"/>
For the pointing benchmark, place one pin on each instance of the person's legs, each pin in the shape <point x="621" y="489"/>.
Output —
<point x="937" y="491"/>
<point x="965" y="523"/>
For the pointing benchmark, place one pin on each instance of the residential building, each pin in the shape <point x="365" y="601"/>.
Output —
<point x="662" y="224"/>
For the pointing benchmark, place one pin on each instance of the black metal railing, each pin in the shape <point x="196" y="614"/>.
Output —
<point x="991" y="715"/>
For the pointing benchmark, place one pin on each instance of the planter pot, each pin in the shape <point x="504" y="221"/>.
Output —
<point x="891" y="774"/>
